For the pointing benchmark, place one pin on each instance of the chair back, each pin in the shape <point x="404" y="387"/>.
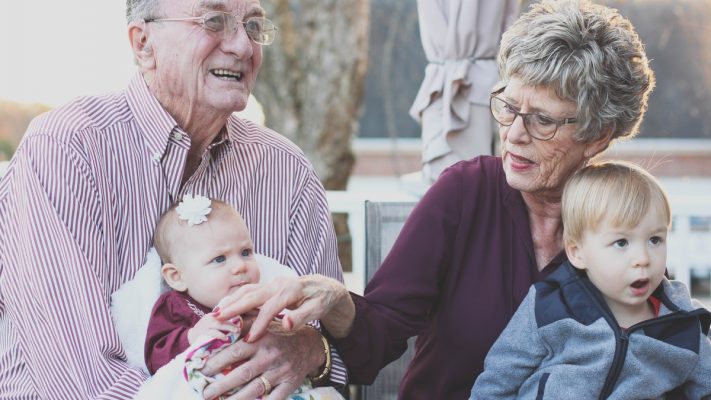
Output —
<point x="383" y="222"/>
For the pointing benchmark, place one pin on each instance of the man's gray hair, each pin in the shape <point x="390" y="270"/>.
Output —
<point x="141" y="9"/>
<point x="586" y="53"/>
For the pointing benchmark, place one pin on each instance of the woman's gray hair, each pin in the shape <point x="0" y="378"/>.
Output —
<point x="586" y="53"/>
<point x="141" y="9"/>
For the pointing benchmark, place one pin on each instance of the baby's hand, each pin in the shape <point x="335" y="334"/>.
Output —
<point x="210" y="326"/>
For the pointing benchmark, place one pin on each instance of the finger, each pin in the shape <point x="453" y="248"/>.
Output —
<point x="309" y="311"/>
<point x="240" y="377"/>
<point x="246" y="298"/>
<point x="235" y="353"/>
<point x="269" y="310"/>
<point x="252" y="390"/>
<point x="283" y="391"/>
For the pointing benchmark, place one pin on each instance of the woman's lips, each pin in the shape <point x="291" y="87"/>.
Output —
<point x="518" y="162"/>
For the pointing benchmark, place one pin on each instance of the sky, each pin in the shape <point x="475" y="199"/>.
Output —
<point x="71" y="48"/>
<point x="52" y="51"/>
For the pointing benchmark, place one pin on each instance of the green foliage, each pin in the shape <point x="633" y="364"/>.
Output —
<point x="7" y="149"/>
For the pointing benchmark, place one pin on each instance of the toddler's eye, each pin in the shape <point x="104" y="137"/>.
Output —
<point x="219" y="259"/>
<point x="246" y="252"/>
<point x="620" y="243"/>
<point x="656" y="240"/>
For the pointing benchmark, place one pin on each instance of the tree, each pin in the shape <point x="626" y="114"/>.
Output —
<point x="311" y="83"/>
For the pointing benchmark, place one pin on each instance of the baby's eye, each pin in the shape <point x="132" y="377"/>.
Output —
<point x="656" y="240"/>
<point x="219" y="259"/>
<point x="620" y="243"/>
<point x="246" y="252"/>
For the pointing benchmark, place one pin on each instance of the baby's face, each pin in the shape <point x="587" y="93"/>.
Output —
<point x="215" y="257"/>
<point x="626" y="264"/>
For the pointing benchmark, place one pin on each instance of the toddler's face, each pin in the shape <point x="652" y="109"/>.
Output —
<point x="625" y="264"/>
<point x="216" y="257"/>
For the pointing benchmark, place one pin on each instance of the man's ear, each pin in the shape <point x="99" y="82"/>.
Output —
<point x="574" y="255"/>
<point x="173" y="278"/>
<point x="141" y="46"/>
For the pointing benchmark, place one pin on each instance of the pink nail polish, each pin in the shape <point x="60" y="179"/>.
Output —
<point x="289" y="323"/>
<point x="246" y="338"/>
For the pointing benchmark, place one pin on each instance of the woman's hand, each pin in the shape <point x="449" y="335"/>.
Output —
<point x="307" y="298"/>
<point x="283" y="358"/>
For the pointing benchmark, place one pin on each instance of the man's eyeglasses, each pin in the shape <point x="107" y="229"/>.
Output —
<point x="259" y="29"/>
<point x="537" y="125"/>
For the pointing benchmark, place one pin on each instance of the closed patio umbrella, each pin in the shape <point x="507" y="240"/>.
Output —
<point x="460" y="39"/>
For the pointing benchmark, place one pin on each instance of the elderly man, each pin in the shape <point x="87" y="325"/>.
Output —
<point x="86" y="187"/>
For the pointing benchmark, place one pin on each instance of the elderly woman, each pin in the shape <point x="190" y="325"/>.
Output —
<point x="574" y="78"/>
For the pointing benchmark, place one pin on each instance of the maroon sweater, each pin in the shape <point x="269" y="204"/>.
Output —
<point x="173" y="315"/>
<point x="459" y="269"/>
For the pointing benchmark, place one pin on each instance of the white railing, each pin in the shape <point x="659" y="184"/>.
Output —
<point x="689" y="242"/>
<point x="3" y="167"/>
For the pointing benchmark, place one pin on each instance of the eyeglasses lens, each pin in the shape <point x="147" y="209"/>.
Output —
<point x="260" y="30"/>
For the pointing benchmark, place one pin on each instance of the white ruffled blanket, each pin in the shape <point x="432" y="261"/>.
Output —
<point x="131" y="307"/>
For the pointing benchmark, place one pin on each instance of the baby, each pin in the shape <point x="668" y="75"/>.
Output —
<point x="203" y="261"/>
<point x="606" y="324"/>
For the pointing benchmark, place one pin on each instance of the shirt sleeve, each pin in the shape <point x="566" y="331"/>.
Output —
<point x="313" y="248"/>
<point x="514" y="357"/>
<point x="54" y="277"/>
<point x="167" y="334"/>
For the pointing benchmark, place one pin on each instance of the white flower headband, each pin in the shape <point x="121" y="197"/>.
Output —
<point x="194" y="209"/>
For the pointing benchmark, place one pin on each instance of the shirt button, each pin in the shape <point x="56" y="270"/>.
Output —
<point x="156" y="156"/>
<point x="177" y="136"/>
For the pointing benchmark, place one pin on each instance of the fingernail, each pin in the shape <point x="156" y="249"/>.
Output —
<point x="289" y="323"/>
<point x="246" y="338"/>
<point x="209" y="394"/>
<point x="216" y="311"/>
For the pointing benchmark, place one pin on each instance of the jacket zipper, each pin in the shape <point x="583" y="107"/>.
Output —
<point x="622" y="343"/>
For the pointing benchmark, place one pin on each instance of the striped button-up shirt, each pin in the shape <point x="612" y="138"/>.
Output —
<point x="78" y="206"/>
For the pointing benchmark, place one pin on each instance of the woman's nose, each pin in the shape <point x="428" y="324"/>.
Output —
<point x="517" y="132"/>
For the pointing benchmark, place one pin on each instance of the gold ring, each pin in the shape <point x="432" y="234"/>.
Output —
<point x="266" y="383"/>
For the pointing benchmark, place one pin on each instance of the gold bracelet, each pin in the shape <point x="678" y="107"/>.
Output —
<point x="327" y="367"/>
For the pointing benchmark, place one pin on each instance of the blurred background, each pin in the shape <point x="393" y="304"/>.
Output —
<point x="339" y="82"/>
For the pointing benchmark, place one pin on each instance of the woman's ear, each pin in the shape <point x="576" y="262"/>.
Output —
<point x="572" y="250"/>
<point x="598" y="145"/>
<point x="173" y="278"/>
<point x="141" y="46"/>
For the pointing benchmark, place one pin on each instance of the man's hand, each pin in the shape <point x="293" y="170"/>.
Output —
<point x="283" y="357"/>
<point x="209" y="325"/>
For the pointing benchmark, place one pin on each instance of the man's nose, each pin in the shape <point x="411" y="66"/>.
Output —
<point x="238" y="42"/>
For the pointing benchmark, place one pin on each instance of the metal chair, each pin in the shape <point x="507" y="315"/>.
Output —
<point x="383" y="222"/>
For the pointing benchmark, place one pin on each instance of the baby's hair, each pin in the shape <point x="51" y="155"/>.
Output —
<point x="162" y="238"/>
<point x="618" y="190"/>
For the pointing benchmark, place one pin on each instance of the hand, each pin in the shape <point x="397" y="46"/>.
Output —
<point x="308" y="297"/>
<point x="283" y="358"/>
<point x="209" y="325"/>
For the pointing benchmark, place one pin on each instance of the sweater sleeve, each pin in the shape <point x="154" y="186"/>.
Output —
<point x="515" y="356"/>
<point x="167" y="334"/>
<point x="400" y="297"/>
<point x="699" y="384"/>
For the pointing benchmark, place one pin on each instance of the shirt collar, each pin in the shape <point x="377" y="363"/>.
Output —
<point x="153" y="120"/>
